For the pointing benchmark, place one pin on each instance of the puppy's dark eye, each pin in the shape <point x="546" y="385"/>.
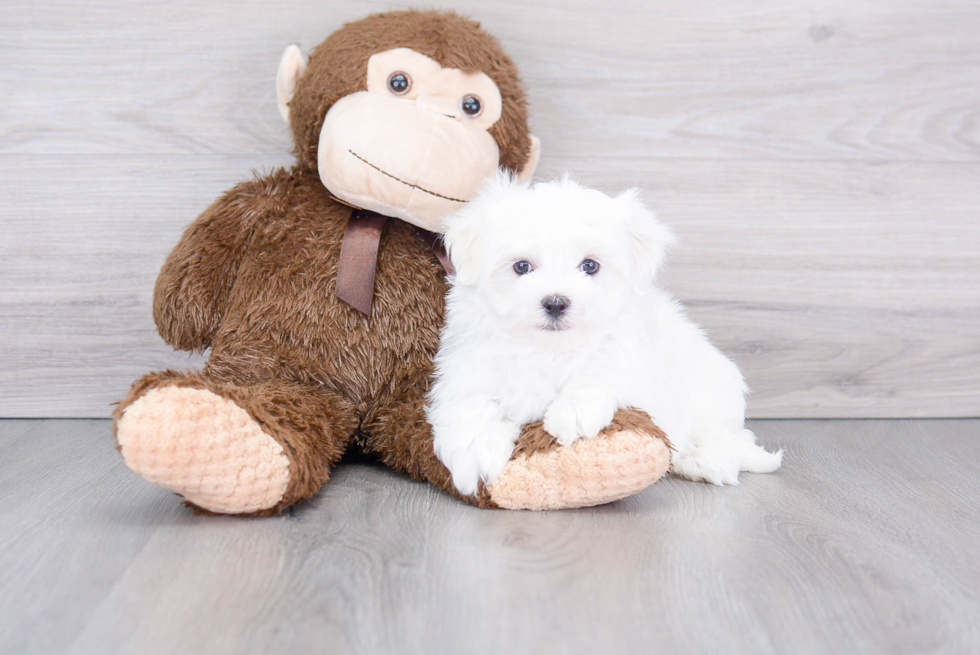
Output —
<point x="523" y="267"/>
<point x="399" y="83"/>
<point x="589" y="267"/>
<point x="471" y="106"/>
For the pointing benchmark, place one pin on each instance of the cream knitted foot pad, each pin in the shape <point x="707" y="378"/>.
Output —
<point x="607" y="468"/>
<point x="204" y="447"/>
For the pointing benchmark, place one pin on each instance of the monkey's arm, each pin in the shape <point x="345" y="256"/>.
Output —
<point x="194" y="283"/>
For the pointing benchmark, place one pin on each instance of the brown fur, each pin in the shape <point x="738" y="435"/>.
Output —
<point x="338" y="67"/>
<point x="253" y="279"/>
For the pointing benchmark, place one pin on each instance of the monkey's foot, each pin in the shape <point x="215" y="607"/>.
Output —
<point x="204" y="447"/>
<point x="625" y="458"/>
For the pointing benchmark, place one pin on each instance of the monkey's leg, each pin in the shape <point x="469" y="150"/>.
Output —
<point x="232" y="449"/>
<point x="627" y="457"/>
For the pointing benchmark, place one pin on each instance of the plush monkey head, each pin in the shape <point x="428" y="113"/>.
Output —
<point x="405" y="113"/>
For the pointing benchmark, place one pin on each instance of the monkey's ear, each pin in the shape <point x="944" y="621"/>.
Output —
<point x="532" y="161"/>
<point x="291" y="68"/>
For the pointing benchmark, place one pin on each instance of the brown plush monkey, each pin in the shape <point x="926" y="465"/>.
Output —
<point x="401" y="114"/>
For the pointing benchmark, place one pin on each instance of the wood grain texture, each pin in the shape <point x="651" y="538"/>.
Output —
<point x="819" y="160"/>
<point x="865" y="541"/>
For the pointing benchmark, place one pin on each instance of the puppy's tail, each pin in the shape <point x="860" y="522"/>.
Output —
<point x="754" y="458"/>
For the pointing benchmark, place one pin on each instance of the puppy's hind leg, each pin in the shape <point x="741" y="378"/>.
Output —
<point x="718" y="457"/>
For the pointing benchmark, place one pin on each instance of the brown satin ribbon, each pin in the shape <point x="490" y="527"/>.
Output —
<point x="359" y="257"/>
<point x="434" y="241"/>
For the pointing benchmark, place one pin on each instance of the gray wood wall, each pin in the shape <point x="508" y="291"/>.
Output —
<point x="819" y="159"/>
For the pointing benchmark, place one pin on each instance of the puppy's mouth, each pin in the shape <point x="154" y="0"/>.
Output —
<point x="555" y="326"/>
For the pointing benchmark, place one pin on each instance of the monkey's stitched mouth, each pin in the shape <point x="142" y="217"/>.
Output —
<point x="408" y="184"/>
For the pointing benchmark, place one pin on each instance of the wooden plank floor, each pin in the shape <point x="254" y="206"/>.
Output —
<point x="866" y="541"/>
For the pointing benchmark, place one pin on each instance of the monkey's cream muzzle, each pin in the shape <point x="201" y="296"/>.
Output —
<point x="413" y="163"/>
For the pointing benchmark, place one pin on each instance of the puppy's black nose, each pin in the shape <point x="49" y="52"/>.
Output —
<point x="555" y="305"/>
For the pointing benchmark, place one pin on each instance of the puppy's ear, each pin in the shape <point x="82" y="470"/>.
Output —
<point x="648" y="239"/>
<point x="467" y="231"/>
<point x="462" y="236"/>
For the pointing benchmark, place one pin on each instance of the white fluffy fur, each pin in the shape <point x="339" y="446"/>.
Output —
<point x="622" y="342"/>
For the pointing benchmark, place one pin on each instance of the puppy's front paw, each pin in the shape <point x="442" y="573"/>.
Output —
<point x="561" y="423"/>
<point x="478" y="455"/>
<point x="580" y="414"/>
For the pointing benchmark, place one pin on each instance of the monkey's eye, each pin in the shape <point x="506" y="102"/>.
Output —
<point x="589" y="267"/>
<point x="523" y="267"/>
<point x="471" y="106"/>
<point x="399" y="83"/>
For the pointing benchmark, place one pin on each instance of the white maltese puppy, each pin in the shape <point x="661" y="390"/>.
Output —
<point x="554" y="314"/>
